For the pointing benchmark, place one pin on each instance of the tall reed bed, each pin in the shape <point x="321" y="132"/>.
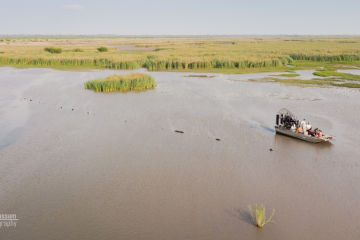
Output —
<point x="135" y="81"/>
<point x="326" y="58"/>
<point x="226" y="64"/>
<point x="150" y="64"/>
<point x="105" y="63"/>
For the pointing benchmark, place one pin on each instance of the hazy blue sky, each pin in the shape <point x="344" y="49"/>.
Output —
<point x="179" y="17"/>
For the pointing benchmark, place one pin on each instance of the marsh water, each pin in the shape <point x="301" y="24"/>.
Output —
<point x="76" y="164"/>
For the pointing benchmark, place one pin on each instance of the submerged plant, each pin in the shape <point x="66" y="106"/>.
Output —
<point x="135" y="81"/>
<point x="259" y="217"/>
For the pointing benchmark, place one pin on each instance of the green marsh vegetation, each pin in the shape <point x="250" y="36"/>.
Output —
<point x="78" y="50"/>
<point x="123" y="83"/>
<point x="314" y="81"/>
<point x="331" y="72"/>
<point x="290" y="75"/>
<point x="216" y="54"/>
<point x="259" y="217"/>
<point x="200" y="76"/>
<point x="329" y="77"/>
<point x="53" y="50"/>
<point x="102" y="49"/>
<point x="103" y="63"/>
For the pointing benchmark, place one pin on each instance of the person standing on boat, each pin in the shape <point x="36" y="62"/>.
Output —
<point x="303" y="126"/>
<point x="308" y="126"/>
<point x="303" y="122"/>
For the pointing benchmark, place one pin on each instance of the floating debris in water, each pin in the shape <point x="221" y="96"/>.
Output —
<point x="72" y="109"/>
<point x="30" y="100"/>
<point x="88" y="112"/>
<point x="179" y="131"/>
<point x="271" y="149"/>
<point x="218" y="139"/>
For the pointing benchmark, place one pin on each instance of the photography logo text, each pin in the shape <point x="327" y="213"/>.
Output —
<point x="8" y="220"/>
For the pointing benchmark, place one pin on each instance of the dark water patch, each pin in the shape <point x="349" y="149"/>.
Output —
<point x="267" y="129"/>
<point x="10" y="137"/>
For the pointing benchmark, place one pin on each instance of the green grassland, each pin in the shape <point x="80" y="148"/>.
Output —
<point x="212" y="54"/>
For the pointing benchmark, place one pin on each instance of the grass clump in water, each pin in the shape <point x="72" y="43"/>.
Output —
<point x="318" y="82"/>
<point x="135" y="81"/>
<point x="313" y="81"/>
<point x="347" y="85"/>
<point x="53" y="50"/>
<point x="102" y="49"/>
<point x="259" y="217"/>
<point x="200" y="76"/>
<point x="290" y="75"/>
<point x="330" y="72"/>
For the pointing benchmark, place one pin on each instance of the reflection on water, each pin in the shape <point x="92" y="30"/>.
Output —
<point x="89" y="165"/>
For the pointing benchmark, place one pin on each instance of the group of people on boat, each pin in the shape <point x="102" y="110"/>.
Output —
<point x="302" y="127"/>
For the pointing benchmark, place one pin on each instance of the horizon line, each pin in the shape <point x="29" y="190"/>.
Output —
<point x="182" y="35"/>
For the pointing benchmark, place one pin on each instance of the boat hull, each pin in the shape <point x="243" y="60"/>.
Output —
<point x="307" y="138"/>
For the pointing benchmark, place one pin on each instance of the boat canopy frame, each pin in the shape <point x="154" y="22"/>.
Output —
<point x="286" y="113"/>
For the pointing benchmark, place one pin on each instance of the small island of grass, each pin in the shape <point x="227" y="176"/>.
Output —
<point x="200" y="76"/>
<point x="123" y="83"/>
<point x="331" y="72"/>
<point x="290" y="75"/>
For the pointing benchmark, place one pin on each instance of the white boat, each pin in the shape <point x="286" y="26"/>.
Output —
<point x="308" y="138"/>
<point x="280" y="129"/>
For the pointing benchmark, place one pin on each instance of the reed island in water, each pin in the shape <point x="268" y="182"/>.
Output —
<point x="130" y="82"/>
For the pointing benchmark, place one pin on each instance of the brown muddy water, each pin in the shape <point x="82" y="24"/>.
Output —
<point x="114" y="167"/>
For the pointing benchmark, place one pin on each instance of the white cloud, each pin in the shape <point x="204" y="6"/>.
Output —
<point x="73" y="6"/>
